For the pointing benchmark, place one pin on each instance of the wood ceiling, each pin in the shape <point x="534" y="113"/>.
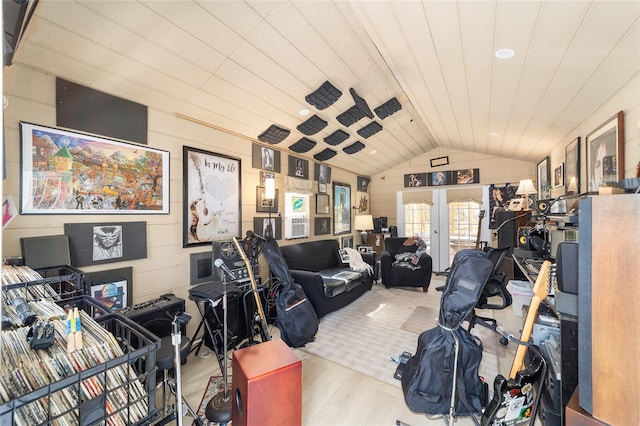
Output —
<point x="245" y="65"/>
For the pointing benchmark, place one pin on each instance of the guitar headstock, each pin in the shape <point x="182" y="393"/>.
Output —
<point x="541" y="286"/>
<point x="482" y="214"/>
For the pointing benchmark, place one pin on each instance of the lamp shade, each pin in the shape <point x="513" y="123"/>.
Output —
<point x="526" y="187"/>
<point x="363" y="222"/>
<point x="270" y="188"/>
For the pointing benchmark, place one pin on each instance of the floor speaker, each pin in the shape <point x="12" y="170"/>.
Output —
<point x="156" y="315"/>
<point x="266" y="385"/>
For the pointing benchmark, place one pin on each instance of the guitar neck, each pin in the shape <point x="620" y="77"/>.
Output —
<point x="540" y="292"/>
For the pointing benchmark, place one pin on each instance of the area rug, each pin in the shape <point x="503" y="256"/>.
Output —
<point x="215" y="385"/>
<point x="369" y="334"/>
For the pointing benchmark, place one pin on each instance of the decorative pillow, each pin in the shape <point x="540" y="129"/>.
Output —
<point x="343" y="257"/>
<point x="408" y="260"/>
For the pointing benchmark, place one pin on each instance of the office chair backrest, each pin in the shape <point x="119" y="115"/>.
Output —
<point x="496" y="255"/>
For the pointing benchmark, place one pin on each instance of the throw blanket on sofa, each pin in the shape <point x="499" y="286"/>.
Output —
<point x="355" y="261"/>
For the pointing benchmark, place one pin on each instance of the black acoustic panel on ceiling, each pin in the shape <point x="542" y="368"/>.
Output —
<point x="353" y="148"/>
<point x="388" y="108"/>
<point x="337" y="137"/>
<point x="324" y="96"/>
<point x="325" y="154"/>
<point x="312" y="125"/>
<point x="274" y="135"/>
<point x="303" y="145"/>
<point x="361" y="104"/>
<point x="370" y="129"/>
<point x="350" y="116"/>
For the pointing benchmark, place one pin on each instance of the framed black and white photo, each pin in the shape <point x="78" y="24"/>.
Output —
<point x="298" y="167"/>
<point x="112" y="287"/>
<point x="572" y="167"/>
<point x="211" y="197"/>
<point x="322" y="226"/>
<point x="322" y="204"/>
<point x="265" y="158"/>
<point x="264" y="204"/>
<point x="347" y="242"/>
<point x="65" y="172"/>
<point x="268" y="226"/>
<point x="341" y="208"/>
<point x="106" y="242"/>
<point x="322" y="173"/>
<point x="544" y="178"/>
<point x="605" y="153"/>
<point x="363" y="183"/>
<point x="558" y="175"/>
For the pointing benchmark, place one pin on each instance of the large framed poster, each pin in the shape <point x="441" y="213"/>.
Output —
<point x="212" y="197"/>
<point x="65" y="172"/>
<point x="341" y="208"/>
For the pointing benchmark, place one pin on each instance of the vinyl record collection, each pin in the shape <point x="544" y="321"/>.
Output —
<point x="72" y="362"/>
<point x="51" y="283"/>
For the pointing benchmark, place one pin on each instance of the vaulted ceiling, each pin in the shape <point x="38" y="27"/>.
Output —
<point x="244" y="66"/>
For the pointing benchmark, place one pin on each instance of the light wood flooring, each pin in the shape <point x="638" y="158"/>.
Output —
<point x="336" y="395"/>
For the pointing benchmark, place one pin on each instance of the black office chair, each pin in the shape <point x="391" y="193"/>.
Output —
<point x="495" y="286"/>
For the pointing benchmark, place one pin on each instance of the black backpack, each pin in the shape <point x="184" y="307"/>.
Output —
<point x="428" y="376"/>
<point x="296" y="318"/>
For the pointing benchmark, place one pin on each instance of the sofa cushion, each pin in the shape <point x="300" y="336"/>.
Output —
<point x="339" y="280"/>
<point x="311" y="255"/>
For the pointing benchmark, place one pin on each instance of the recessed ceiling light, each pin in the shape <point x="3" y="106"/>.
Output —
<point x="303" y="112"/>
<point x="374" y="151"/>
<point x="505" y="53"/>
<point x="494" y="134"/>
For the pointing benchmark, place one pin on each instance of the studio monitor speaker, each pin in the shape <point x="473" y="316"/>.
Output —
<point x="266" y="385"/>
<point x="543" y="206"/>
<point x="531" y="239"/>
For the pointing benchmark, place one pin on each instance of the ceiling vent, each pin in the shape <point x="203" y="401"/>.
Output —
<point x="353" y="148"/>
<point x="303" y="145"/>
<point x="274" y="135"/>
<point x="325" y="154"/>
<point x="337" y="137"/>
<point x="370" y="129"/>
<point x="324" y="96"/>
<point x="388" y="108"/>
<point x="312" y="125"/>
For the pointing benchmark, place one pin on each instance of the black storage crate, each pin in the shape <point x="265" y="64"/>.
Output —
<point x="122" y="388"/>
<point x="58" y="282"/>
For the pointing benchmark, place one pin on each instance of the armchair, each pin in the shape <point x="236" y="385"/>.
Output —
<point x="405" y="263"/>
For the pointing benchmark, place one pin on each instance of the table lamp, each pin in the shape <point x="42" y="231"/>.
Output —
<point x="363" y="223"/>
<point x="525" y="188"/>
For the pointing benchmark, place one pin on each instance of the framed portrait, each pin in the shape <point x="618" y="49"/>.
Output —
<point x="64" y="172"/>
<point x="467" y="176"/>
<point x="263" y="204"/>
<point x="415" y="179"/>
<point x="322" y="225"/>
<point x="558" y="175"/>
<point x="265" y="158"/>
<point x="298" y="167"/>
<point x="268" y="226"/>
<point x="543" y="178"/>
<point x="322" y="188"/>
<point x="363" y="183"/>
<point x="605" y="153"/>
<point x="347" y="242"/>
<point x="211" y="197"/>
<point x="439" y="178"/>
<point x="322" y="204"/>
<point x="341" y="208"/>
<point x="572" y="167"/>
<point x="112" y="288"/>
<point x="106" y="242"/>
<point x="322" y="173"/>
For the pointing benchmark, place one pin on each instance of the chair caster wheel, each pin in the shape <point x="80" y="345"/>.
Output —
<point x="504" y="341"/>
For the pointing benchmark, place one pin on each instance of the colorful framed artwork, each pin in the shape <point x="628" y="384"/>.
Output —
<point x="211" y="197"/>
<point x="605" y="153"/>
<point x="341" y="208"/>
<point x="415" y="179"/>
<point x="65" y="172"/>
<point x="112" y="288"/>
<point x="572" y="167"/>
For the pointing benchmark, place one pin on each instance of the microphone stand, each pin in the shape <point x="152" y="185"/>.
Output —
<point x="219" y="407"/>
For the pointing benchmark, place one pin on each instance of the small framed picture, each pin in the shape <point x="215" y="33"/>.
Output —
<point x="112" y="287"/>
<point x="264" y="204"/>
<point x="322" y="188"/>
<point x="322" y="204"/>
<point x="558" y="176"/>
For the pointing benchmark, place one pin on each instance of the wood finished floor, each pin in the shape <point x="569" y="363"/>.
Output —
<point x="336" y="395"/>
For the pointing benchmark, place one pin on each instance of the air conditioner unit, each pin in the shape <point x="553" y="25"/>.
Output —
<point x="296" y="227"/>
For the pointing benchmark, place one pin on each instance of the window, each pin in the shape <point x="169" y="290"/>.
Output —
<point x="463" y="225"/>
<point x="417" y="221"/>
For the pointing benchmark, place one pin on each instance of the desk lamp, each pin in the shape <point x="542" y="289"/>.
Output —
<point x="525" y="188"/>
<point x="363" y="223"/>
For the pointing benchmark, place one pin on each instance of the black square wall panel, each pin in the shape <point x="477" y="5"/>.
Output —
<point x="303" y="145"/>
<point x="370" y="129"/>
<point x="353" y="148"/>
<point x="337" y="137"/>
<point x="386" y="109"/>
<point x="324" y="96"/>
<point x="350" y="116"/>
<point x="325" y="154"/>
<point x="274" y="134"/>
<point x="312" y="125"/>
<point x="361" y="104"/>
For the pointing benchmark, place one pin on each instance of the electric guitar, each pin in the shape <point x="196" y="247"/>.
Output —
<point x="263" y="319"/>
<point x="513" y="399"/>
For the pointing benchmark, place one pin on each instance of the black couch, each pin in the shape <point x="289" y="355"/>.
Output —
<point x="328" y="283"/>
<point x="403" y="263"/>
